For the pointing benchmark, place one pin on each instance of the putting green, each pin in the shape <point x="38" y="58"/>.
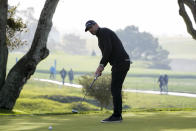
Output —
<point x="142" y="121"/>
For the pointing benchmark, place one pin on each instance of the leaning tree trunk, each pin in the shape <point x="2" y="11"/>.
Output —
<point x="192" y="5"/>
<point x="26" y="66"/>
<point x="3" y="47"/>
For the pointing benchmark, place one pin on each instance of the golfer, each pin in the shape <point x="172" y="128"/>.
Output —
<point x="114" y="53"/>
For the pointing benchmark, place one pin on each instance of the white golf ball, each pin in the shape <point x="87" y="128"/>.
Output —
<point x="50" y="128"/>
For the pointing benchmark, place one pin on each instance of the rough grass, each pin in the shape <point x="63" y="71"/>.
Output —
<point x="45" y="98"/>
<point x="40" y="98"/>
<point x="40" y="102"/>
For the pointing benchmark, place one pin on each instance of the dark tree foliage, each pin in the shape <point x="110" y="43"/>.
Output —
<point x="15" y="26"/>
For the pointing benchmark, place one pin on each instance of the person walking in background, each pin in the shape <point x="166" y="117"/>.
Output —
<point x="63" y="74"/>
<point x="113" y="52"/>
<point x="71" y="76"/>
<point x="52" y="72"/>
<point x="166" y="83"/>
<point x="161" y="83"/>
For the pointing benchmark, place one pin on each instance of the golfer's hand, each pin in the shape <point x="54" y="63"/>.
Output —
<point x="99" y="70"/>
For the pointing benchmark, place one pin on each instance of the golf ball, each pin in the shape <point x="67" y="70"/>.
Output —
<point x="50" y="128"/>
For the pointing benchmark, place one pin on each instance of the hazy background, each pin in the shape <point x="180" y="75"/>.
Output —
<point x="155" y="17"/>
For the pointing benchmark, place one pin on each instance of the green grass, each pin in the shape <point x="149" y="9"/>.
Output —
<point x="150" y="83"/>
<point x="35" y="110"/>
<point x="38" y="98"/>
<point x="45" y="98"/>
<point x="89" y="64"/>
<point x="42" y="91"/>
<point x="143" y="83"/>
<point x="76" y="62"/>
<point x="149" y="102"/>
<point x="142" y="121"/>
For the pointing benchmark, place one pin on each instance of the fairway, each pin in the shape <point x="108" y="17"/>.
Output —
<point x="143" y="121"/>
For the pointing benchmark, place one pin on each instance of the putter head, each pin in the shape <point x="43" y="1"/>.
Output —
<point x="74" y="111"/>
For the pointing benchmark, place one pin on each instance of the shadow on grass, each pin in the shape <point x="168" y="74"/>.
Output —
<point x="71" y="99"/>
<point x="2" y="111"/>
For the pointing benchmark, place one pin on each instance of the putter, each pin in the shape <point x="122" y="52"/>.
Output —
<point x="76" y="111"/>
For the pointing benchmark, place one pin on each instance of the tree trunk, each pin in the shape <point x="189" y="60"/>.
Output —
<point x="3" y="47"/>
<point x="192" y="5"/>
<point x="26" y="66"/>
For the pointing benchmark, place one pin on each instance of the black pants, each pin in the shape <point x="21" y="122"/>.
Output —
<point x="119" y="72"/>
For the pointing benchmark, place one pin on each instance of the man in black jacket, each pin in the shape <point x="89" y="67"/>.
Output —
<point x="114" y="53"/>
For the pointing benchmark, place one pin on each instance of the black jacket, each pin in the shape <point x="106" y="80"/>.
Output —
<point x="111" y="47"/>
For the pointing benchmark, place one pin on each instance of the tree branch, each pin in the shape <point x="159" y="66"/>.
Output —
<point x="192" y="5"/>
<point x="186" y="18"/>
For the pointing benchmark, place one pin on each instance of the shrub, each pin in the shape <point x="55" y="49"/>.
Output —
<point x="101" y="90"/>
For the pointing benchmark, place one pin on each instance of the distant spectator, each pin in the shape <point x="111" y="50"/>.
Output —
<point x="71" y="76"/>
<point x="55" y="62"/>
<point x="161" y="83"/>
<point x="166" y="83"/>
<point x="63" y="75"/>
<point x="93" y="53"/>
<point x="52" y="72"/>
